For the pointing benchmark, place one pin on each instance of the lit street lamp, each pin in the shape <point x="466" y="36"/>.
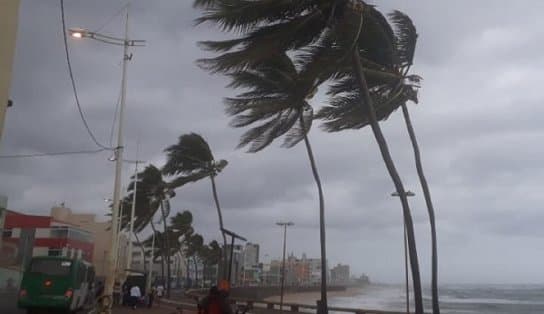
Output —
<point x="284" y="225"/>
<point x="408" y="194"/>
<point x="80" y="33"/>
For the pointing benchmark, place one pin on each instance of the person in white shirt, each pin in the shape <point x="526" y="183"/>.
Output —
<point x="135" y="295"/>
<point x="160" y="294"/>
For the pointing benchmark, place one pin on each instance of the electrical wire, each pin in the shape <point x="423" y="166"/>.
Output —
<point x="80" y="152"/>
<point x="110" y="19"/>
<point x="70" y="72"/>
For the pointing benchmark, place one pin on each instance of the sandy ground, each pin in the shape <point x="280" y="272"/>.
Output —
<point x="311" y="297"/>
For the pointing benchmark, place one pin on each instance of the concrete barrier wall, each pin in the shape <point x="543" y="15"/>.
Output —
<point x="260" y="293"/>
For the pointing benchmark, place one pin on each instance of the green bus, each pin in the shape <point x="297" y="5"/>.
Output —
<point x="57" y="283"/>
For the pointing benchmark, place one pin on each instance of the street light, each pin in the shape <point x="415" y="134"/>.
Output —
<point x="284" y="225"/>
<point x="408" y="194"/>
<point x="80" y="33"/>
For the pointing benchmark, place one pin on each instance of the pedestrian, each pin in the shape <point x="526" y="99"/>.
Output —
<point x="216" y="302"/>
<point x="151" y="297"/>
<point x="117" y="291"/>
<point x="135" y="295"/>
<point x="159" y="293"/>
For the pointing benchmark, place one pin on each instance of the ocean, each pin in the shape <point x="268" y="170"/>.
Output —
<point x="454" y="299"/>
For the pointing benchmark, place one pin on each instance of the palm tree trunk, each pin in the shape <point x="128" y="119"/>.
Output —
<point x="196" y="270"/>
<point x="143" y="250"/>
<point x="388" y="160"/>
<point x="324" y="305"/>
<point x="167" y="253"/>
<point x="220" y="216"/>
<point x="430" y="208"/>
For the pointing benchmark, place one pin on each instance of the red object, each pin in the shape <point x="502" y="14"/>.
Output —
<point x="48" y="283"/>
<point x="22" y="293"/>
<point x="68" y="294"/>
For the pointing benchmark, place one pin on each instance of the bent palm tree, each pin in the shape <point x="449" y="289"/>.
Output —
<point x="331" y="38"/>
<point x="277" y="100"/>
<point x="345" y="112"/>
<point x="190" y="160"/>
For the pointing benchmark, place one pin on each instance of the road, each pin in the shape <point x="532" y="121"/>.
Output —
<point x="8" y="305"/>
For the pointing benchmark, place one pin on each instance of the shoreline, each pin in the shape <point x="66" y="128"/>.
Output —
<point x="310" y="298"/>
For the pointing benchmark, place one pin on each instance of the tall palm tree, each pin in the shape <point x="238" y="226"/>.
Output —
<point x="330" y="38"/>
<point x="190" y="160"/>
<point x="276" y="98"/>
<point x="344" y="112"/>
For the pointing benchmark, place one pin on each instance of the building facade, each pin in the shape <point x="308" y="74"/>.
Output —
<point x="25" y="236"/>
<point x="340" y="274"/>
<point x="102" y="234"/>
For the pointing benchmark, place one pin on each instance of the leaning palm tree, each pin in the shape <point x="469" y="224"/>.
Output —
<point x="190" y="160"/>
<point x="277" y="100"/>
<point x="153" y="196"/>
<point x="344" y="112"/>
<point x="331" y="38"/>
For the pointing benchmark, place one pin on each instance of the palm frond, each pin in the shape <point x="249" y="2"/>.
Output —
<point x="406" y="37"/>
<point x="297" y="133"/>
<point x="190" y="153"/>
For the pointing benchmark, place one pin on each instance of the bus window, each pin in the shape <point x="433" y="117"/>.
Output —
<point x="51" y="267"/>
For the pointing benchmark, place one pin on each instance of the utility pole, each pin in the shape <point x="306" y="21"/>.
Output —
<point x="9" y="13"/>
<point x="284" y="225"/>
<point x="133" y="209"/>
<point x="125" y="42"/>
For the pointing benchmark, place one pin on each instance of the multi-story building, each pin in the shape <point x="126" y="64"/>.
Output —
<point x="102" y="234"/>
<point x="251" y="255"/>
<point x="298" y="272"/>
<point x="25" y="236"/>
<point x="237" y="262"/>
<point x="340" y="274"/>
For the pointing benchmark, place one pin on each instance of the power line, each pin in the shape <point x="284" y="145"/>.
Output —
<point x="108" y="21"/>
<point x="80" y="152"/>
<point x="70" y="72"/>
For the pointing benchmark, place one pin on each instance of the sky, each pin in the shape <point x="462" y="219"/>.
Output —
<point x="478" y="123"/>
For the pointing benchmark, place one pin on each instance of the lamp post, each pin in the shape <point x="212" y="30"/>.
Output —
<point x="409" y="194"/>
<point x="284" y="225"/>
<point x="125" y="42"/>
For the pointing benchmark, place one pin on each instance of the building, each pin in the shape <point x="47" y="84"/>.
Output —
<point x="298" y="271"/>
<point x="236" y="263"/>
<point x="102" y="237"/>
<point x="251" y="255"/>
<point x="25" y="236"/>
<point x="9" y="13"/>
<point x="340" y="274"/>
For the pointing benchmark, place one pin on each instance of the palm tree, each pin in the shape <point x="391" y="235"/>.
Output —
<point x="330" y="39"/>
<point x="210" y="255"/>
<point x="153" y="196"/>
<point x="344" y="112"/>
<point x="190" y="160"/>
<point x="193" y="247"/>
<point x="277" y="99"/>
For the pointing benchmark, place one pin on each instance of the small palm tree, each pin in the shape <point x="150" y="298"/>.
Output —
<point x="190" y="160"/>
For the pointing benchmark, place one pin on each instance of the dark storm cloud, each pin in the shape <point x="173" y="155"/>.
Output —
<point x="478" y="122"/>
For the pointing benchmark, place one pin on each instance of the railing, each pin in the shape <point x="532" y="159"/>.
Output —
<point x="291" y="307"/>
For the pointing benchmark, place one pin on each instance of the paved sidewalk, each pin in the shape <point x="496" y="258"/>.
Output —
<point x="163" y="309"/>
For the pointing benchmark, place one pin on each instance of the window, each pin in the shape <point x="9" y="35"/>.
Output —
<point x="51" y="267"/>
<point x="7" y="233"/>
<point x="54" y="252"/>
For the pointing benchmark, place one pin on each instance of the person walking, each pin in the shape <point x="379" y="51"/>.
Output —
<point x="159" y="293"/>
<point x="117" y="293"/>
<point x="151" y="297"/>
<point x="135" y="295"/>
